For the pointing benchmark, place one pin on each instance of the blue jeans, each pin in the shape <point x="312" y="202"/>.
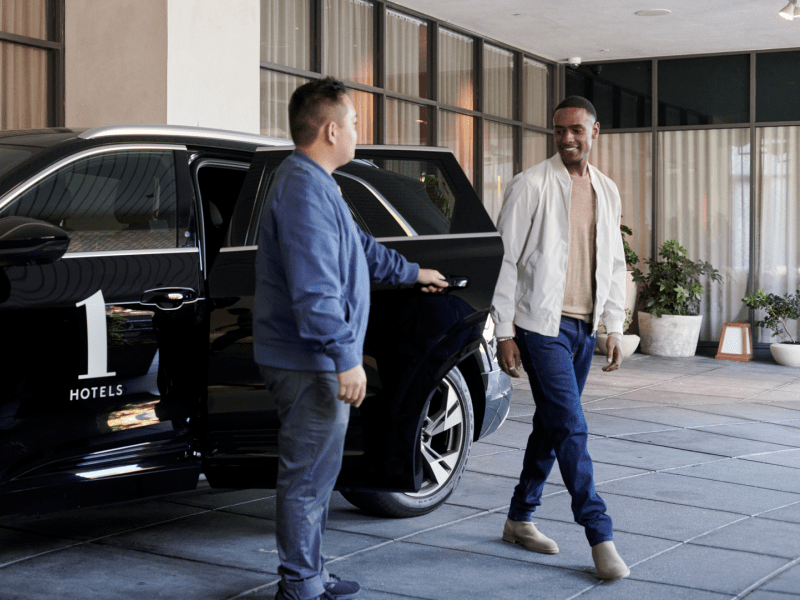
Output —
<point x="557" y="368"/>
<point x="311" y="444"/>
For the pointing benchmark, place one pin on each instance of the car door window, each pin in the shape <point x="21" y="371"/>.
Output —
<point x="113" y="201"/>
<point x="418" y="190"/>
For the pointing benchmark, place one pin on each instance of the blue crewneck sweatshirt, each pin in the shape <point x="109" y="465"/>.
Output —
<point x="313" y="270"/>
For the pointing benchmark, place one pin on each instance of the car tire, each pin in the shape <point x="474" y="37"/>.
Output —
<point x="446" y="440"/>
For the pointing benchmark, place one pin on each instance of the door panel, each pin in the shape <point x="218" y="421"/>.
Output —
<point x="413" y="338"/>
<point x="103" y="380"/>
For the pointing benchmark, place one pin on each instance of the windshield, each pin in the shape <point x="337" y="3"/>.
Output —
<point x="11" y="156"/>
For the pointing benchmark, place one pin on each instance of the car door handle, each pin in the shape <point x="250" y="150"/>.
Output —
<point x="169" y="298"/>
<point x="458" y="283"/>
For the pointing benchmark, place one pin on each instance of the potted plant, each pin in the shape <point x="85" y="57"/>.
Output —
<point x="779" y="310"/>
<point x="669" y="318"/>
<point x="631" y="261"/>
<point x="629" y="341"/>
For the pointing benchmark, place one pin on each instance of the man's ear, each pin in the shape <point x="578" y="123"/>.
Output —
<point x="329" y="132"/>
<point x="595" y="130"/>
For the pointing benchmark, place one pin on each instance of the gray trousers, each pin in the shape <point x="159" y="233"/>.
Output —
<point x="311" y="443"/>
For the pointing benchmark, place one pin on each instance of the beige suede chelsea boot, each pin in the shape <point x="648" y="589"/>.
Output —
<point x="525" y="533"/>
<point x="608" y="562"/>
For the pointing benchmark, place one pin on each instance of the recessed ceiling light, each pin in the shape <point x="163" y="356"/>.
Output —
<point x="604" y="50"/>
<point x="653" y="12"/>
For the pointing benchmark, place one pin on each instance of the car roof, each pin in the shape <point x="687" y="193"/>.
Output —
<point x="47" y="138"/>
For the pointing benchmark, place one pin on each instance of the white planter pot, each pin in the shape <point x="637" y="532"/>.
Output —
<point x="629" y="344"/>
<point x="669" y="335"/>
<point x="787" y="355"/>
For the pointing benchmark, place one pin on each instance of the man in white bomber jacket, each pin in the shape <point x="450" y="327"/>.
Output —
<point x="563" y="270"/>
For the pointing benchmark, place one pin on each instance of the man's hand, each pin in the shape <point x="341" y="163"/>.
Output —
<point x="431" y="280"/>
<point x="613" y="353"/>
<point x="352" y="385"/>
<point x="508" y="357"/>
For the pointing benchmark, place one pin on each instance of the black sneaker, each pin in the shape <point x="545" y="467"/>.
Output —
<point x="341" y="590"/>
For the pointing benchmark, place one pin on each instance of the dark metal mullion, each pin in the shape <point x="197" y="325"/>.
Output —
<point x="478" y="132"/>
<point x="755" y="229"/>
<point x="517" y="102"/>
<point x="654" y="164"/>
<point x="58" y="94"/>
<point x="379" y="72"/>
<point x="433" y="82"/>
<point x="317" y="37"/>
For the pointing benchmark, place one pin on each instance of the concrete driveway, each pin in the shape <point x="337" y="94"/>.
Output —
<point x="697" y="459"/>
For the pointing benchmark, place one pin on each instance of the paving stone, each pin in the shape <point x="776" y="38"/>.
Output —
<point x="92" y="572"/>
<point x="751" y="410"/>
<point x="631" y="589"/>
<point x="403" y="568"/>
<point x="614" y="425"/>
<point x="614" y="403"/>
<point x="747" y="472"/>
<point x="689" y="566"/>
<point x="704" y="440"/>
<point x="93" y="523"/>
<point x="761" y="536"/>
<point x="628" y="453"/>
<point x="391" y="529"/>
<point x="787" y="458"/>
<point x="675" y="416"/>
<point x="207" y="497"/>
<point x="781" y="394"/>
<point x="692" y="385"/>
<point x="229" y="540"/>
<point x="787" y="582"/>
<point x="765" y="595"/>
<point x="666" y="397"/>
<point x="679" y="489"/>
<point x="515" y="434"/>
<point x="487" y="492"/>
<point x="790" y="514"/>
<point x="763" y="432"/>
<point x="18" y="545"/>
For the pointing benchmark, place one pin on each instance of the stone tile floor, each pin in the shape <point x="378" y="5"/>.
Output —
<point x="697" y="459"/>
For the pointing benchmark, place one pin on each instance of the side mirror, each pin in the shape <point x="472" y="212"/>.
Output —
<point x="25" y="241"/>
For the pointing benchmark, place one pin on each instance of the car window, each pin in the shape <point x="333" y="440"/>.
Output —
<point x="419" y="191"/>
<point x="115" y="201"/>
<point x="371" y="211"/>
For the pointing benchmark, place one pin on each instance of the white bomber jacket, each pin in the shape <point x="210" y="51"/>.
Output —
<point x="534" y="225"/>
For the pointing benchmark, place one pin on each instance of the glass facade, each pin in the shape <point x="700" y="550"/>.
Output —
<point x="414" y="81"/>
<point x="777" y="86"/>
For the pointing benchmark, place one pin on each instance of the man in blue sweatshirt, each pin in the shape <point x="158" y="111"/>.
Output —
<point x="313" y="273"/>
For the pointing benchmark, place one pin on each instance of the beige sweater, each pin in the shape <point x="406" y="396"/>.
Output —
<point x="579" y="293"/>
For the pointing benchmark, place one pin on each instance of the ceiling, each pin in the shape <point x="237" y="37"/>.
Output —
<point x="609" y="29"/>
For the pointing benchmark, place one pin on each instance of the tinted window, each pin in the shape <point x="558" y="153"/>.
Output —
<point x="704" y="91"/>
<point x="778" y="86"/>
<point x="621" y="92"/>
<point x="418" y="190"/>
<point x="112" y="201"/>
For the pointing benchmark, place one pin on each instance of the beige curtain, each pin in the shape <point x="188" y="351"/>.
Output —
<point x="498" y="78"/>
<point x="285" y="33"/>
<point x="406" y="52"/>
<point x="498" y="165"/>
<point x="455" y="69"/>
<point x="457" y="133"/>
<point x="276" y="90"/>
<point x="534" y="148"/>
<point x="778" y="208"/>
<point x="348" y="40"/>
<point x="627" y="158"/>
<point x="704" y="204"/>
<point x="534" y="98"/>
<point x="23" y="70"/>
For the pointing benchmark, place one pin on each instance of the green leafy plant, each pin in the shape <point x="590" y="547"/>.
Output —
<point x="779" y="310"/>
<point x="631" y="258"/>
<point x="433" y="187"/>
<point x="672" y="285"/>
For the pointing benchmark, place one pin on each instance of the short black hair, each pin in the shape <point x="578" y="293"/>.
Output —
<point x="577" y="102"/>
<point x="309" y="107"/>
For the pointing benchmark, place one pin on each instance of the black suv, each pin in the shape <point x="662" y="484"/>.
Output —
<point x="126" y="294"/>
